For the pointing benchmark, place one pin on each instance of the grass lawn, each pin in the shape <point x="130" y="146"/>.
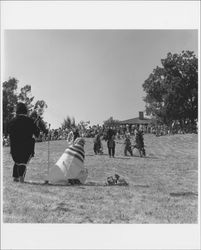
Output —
<point x="163" y="187"/>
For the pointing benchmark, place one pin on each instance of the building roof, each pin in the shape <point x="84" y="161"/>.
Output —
<point x="136" y="121"/>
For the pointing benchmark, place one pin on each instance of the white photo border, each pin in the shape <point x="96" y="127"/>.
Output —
<point x="100" y="15"/>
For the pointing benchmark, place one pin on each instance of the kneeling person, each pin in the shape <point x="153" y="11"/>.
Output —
<point x="70" y="166"/>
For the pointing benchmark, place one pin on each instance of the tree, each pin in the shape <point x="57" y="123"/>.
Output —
<point x="40" y="107"/>
<point x="9" y="101"/>
<point x="82" y="126"/>
<point x="10" y="98"/>
<point x="172" y="90"/>
<point x="26" y="97"/>
<point x="68" y="123"/>
<point x="111" y="122"/>
<point x="37" y="112"/>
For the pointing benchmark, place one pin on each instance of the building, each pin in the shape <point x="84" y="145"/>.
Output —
<point x="140" y="121"/>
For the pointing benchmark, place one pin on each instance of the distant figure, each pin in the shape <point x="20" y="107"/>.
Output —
<point x="97" y="145"/>
<point x="128" y="147"/>
<point x="72" y="136"/>
<point x="111" y="142"/>
<point x="139" y="142"/>
<point x="76" y="133"/>
<point x="21" y="130"/>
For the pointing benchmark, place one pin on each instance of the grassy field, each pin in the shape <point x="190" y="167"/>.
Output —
<point x="163" y="187"/>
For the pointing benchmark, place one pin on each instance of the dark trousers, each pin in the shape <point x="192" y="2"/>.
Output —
<point x="97" y="147"/>
<point x="128" y="149"/>
<point x="111" y="151"/>
<point x="19" y="171"/>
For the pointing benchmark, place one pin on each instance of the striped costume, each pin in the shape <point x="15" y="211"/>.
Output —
<point x="71" y="164"/>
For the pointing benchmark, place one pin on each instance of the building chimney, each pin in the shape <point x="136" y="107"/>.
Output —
<point x="141" y="115"/>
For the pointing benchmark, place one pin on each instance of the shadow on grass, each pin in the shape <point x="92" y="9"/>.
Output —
<point x="88" y="184"/>
<point x="95" y="154"/>
<point x="151" y="157"/>
<point x="141" y="186"/>
<point x="137" y="156"/>
<point x="127" y="157"/>
<point x="177" y="194"/>
<point x="122" y="158"/>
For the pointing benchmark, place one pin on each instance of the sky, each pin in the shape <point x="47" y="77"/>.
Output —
<point x="90" y="75"/>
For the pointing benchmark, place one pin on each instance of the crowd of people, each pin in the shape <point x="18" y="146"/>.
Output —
<point x="25" y="130"/>
<point x="120" y="131"/>
<point x="90" y="132"/>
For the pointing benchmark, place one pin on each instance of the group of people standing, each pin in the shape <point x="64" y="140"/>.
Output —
<point x="139" y="143"/>
<point x="110" y="138"/>
<point x="111" y="143"/>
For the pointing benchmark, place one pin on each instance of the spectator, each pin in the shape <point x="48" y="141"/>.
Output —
<point x="21" y="130"/>
<point x="97" y="144"/>
<point x="111" y="142"/>
<point x="128" y="147"/>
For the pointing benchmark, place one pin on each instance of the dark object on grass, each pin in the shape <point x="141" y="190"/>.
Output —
<point x="74" y="181"/>
<point x="116" y="180"/>
<point x="110" y="180"/>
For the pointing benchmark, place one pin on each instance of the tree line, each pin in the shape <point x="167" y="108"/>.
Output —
<point x="12" y="95"/>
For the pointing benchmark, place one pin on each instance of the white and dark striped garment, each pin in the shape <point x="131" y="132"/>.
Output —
<point x="76" y="151"/>
<point x="71" y="164"/>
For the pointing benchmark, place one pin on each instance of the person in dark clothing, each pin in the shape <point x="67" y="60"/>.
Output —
<point x="128" y="147"/>
<point x="139" y="142"/>
<point x="110" y="133"/>
<point x="21" y="130"/>
<point x="111" y="142"/>
<point x="76" y="133"/>
<point x="97" y="145"/>
<point x="111" y="146"/>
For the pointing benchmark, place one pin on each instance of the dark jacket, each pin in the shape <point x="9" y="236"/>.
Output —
<point x="110" y="133"/>
<point x="21" y="130"/>
<point x="139" y="139"/>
